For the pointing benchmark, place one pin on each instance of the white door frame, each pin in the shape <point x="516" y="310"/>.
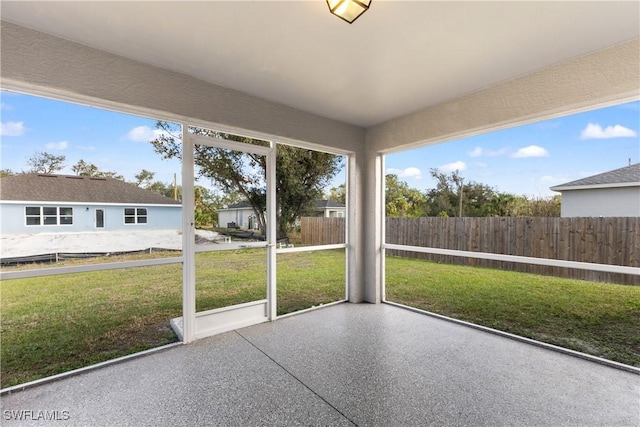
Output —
<point x="198" y="325"/>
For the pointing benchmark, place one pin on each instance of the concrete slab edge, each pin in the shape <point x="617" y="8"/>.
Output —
<point x="176" y="325"/>
<point x="574" y="353"/>
<point x="63" y="375"/>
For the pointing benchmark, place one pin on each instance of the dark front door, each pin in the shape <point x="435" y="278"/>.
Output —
<point x="99" y="218"/>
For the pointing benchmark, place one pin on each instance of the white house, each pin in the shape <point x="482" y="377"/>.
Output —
<point x="330" y="209"/>
<point x="613" y="193"/>
<point x="44" y="203"/>
<point x="241" y="214"/>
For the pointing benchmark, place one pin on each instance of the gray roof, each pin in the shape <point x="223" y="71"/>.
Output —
<point x="239" y="205"/>
<point x="626" y="176"/>
<point x="323" y="204"/>
<point x="35" y="187"/>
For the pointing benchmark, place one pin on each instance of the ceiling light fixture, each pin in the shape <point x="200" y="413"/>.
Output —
<point x="349" y="10"/>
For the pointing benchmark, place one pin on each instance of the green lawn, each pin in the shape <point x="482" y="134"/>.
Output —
<point x="596" y="318"/>
<point x="58" y="323"/>
<point x="54" y="324"/>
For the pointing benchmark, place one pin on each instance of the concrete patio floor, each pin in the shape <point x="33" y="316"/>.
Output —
<point x="348" y="364"/>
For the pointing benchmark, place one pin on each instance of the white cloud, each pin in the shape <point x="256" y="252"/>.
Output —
<point x="452" y="167"/>
<point x="61" y="145"/>
<point x="5" y="107"/>
<point x="479" y="151"/>
<point x="530" y="151"/>
<point x="394" y="171"/>
<point x="555" y="179"/>
<point x="476" y="152"/>
<point x="595" y="131"/>
<point x="410" y="172"/>
<point x="481" y="165"/>
<point x="12" y="128"/>
<point x="143" y="134"/>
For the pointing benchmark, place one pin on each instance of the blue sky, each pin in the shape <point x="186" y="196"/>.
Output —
<point x="527" y="160"/>
<point x="522" y="160"/>
<point x="111" y="141"/>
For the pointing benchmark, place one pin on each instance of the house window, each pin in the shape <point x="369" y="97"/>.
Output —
<point x="66" y="216"/>
<point x="135" y="215"/>
<point x="33" y="214"/>
<point x="48" y="215"/>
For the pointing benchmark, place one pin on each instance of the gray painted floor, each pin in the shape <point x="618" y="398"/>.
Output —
<point x="350" y="364"/>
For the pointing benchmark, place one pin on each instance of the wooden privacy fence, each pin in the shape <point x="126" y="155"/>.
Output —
<point x="614" y="241"/>
<point x="322" y="231"/>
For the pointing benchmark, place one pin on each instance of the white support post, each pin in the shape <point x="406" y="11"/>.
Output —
<point x="383" y="221"/>
<point x="351" y="227"/>
<point x="271" y="233"/>
<point x="372" y="186"/>
<point x="188" y="239"/>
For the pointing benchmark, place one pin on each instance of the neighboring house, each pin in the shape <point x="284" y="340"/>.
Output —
<point x="613" y="193"/>
<point x="238" y="215"/>
<point x="39" y="203"/>
<point x="241" y="215"/>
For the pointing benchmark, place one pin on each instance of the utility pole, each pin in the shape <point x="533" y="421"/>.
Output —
<point x="460" y="195"/>
<point x="175" y="186"/>
<point x="460" y="183"/>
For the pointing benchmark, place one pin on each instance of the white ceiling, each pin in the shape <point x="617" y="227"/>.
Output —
<point x="398" y="58"/>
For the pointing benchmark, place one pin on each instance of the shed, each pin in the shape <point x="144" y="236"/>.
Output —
<point x="38" y="203"/>
<point x="238" y="215"/>
<point x="612" y="193"/>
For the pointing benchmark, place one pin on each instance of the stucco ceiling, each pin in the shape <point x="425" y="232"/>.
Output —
<point x="398" y="58"/>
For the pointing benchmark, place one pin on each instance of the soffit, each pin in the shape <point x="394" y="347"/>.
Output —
<point x="400" y="57"/>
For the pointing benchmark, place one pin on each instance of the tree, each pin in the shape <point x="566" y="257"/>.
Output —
<point x="206" y="211"/>
<point x="82" y="168"/>
<point x="144" y="179"/>
<point x="442" y="200"/>
<point x="338" y="194"/>
<point x="540" y="206"/>
<point x="206" y="203"/>
<point x="503" y="204"/>
<point x="6" y="172"/>
<point x="402" y="200"/>
<point x="300" y="174"/>
<point x="42" y="162"/>
<point x="453" y="197"/>
<point x="479" y="200"/>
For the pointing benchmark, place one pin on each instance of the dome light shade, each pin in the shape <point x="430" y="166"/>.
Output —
<point x="349" y="10"/>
